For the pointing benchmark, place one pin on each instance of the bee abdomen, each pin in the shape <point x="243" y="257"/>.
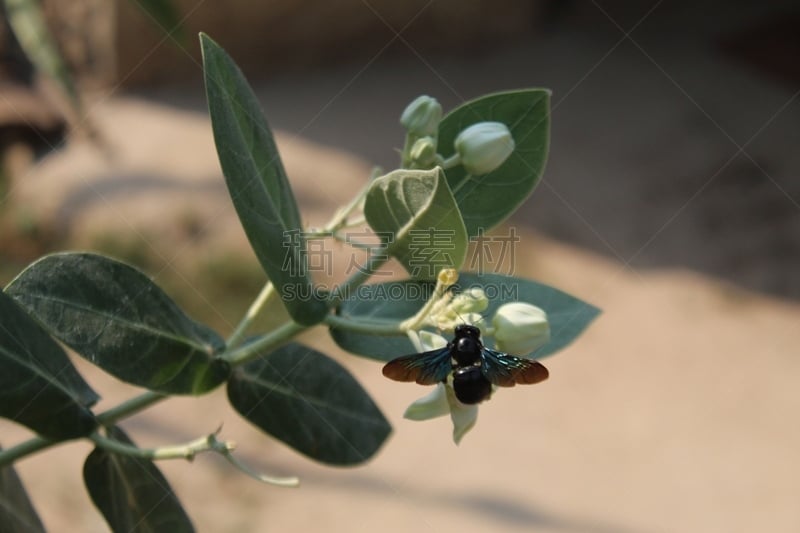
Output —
<point x="470" y="385"/>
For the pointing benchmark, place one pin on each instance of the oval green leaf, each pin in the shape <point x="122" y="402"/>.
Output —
<point x="132" y="493"/>
<point x="416" y="217"/>
<point x="257" y="183"/>
<point x="17" y="514"/>
<point x="39" y="387"/>
<point x="310" y="402"/>
<point x="487" y="200"/>
<point x="115" y="317"/>
<point x="568" y="316"/>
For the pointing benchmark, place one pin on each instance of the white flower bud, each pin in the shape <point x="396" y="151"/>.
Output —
<point x="484" y="146"/>
<point x="520" y="328"/>
<point x="422" y="116"/>
<point x="423" y="152"/>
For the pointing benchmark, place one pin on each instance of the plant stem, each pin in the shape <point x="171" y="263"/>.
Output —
<point x="122" y="410"/>
<point x="451" y="161"/>
<point x="179" y="451"/>
<point x="405" y="156"/>
<point x="135" y="404"/>
<point x="339" y="219"/>
<point x="359" y="220"/>
<point x="272" y="480"/>
<point x="251" y="314"/>
<point x="358" y="245"/>
<point x="188" y="451"/>
<point x="23" y="449"/>
<point x="277" y="336"/>
<point x="372" y="327"/>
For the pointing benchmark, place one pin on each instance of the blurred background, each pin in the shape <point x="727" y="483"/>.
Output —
<point x="671" y="200"/>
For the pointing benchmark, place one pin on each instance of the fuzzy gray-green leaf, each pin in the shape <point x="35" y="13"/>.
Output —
<point x="414" y="213"/>
<point x="117" y="318"/>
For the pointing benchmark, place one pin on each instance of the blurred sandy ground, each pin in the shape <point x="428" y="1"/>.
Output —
<point x="670" y="201"/>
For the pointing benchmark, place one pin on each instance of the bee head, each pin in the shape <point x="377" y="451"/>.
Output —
<point x="465" y="330"/>
<point x="466" y="347"/>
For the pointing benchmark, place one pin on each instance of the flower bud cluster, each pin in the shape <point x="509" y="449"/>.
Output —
<point x="480" y="148"/>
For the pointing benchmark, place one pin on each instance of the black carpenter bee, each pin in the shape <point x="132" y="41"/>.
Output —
<point x="475" y="367"/>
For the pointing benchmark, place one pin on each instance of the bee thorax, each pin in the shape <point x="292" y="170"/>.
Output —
<point x="466" y="351"/>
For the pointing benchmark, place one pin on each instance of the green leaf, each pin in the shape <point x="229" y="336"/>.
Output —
<point x="414" y="213"/>
<point x="114" y="316"/>
<point x="311" y="403"/>
<point x="397" y="300"/>
<point x="487" y="200"/>
<point x="17" y="514"/>
<point x="39" y="387"/>
<point x="165" y="16"/>
<point x="132" y="493"/>
<point x="28" y="23"/>
<point x="257" y="184"/>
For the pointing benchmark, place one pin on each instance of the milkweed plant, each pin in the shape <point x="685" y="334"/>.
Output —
<point x="461" y="174"/>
